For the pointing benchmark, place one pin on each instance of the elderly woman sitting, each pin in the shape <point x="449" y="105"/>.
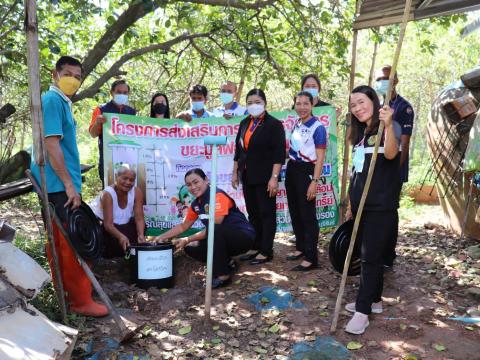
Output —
<point x="120" y="210"/>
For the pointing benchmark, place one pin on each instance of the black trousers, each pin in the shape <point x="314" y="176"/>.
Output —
<point x="390" y="253"/>
<point x="58" y="200"/>
<point x="227" y="242"/>
<point x="262" y="214"/>
<point x="112" y="246"/>
<point x="374" y="234"/>
<point x="303" y="212"/>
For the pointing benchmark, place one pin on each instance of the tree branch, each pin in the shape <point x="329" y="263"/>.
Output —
<point x="137" y="10"/>
<point x="2" y="20"/>
<point x="115" y="68"/>
<point x="206" y="55"/>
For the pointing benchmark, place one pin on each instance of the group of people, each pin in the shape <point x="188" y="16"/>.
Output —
<point x="260" y="153"/>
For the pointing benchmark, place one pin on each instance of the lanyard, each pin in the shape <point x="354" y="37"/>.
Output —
<point x="255" y="123"/>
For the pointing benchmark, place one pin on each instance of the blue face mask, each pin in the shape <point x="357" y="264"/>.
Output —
<point x="312" y="91"/>
<point x="381" y="87"/>
<point x="226" y="98"/>
<point x="198" y="105"/>
<point x="120" y="99"/>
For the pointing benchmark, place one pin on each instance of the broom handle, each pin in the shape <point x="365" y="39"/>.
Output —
<point x="371" y="169"/>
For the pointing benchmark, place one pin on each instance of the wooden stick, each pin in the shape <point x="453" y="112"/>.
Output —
<point x="371" y="169"/>
<point x="346" y="143"/>
<point x="374" y="58"/>
<point x="125" y="333"/>
<point x="465" y="216"/>
<point x="31" y="29"/>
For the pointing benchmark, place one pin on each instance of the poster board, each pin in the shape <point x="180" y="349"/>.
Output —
<point x="161" y="151"/>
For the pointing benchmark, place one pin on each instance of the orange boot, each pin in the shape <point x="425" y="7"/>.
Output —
<point x="77" y="286"/>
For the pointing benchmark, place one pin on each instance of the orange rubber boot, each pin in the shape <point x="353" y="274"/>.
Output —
<point x="77" y="286"/>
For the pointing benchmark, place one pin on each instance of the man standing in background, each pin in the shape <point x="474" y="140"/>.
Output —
<point x="230" y="108"/>
<point x="404" y="116"/>
<point x="118" y="105"/>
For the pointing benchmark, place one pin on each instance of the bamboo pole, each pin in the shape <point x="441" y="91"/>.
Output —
<point x="31" y="29"/>
<point x="371" y="169"/>
<point x="348" y="119"/>
<point x="374" y="59"/>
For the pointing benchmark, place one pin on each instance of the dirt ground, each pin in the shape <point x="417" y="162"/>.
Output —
<point x="434" y="278"/>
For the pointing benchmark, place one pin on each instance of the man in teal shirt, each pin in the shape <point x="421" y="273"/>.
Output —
<point x="64" y="180"/>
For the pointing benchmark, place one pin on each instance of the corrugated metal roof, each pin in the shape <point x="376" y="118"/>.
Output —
<point x="374" y="13"/>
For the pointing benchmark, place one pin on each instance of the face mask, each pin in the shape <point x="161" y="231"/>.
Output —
<point x="198" y="105"/>
<point x="160" y="108"/>
<point x="68" y="85"/>
<point x="226" y="98"/>
<point x="381" y="87"/>
<point x="255" y="109"/>
<point x="312" y="91"/>
<point x="120" y="99"/>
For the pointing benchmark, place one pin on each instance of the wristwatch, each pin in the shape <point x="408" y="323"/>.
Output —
<point x="316" y="180"/>
<point x="275" y="176"/>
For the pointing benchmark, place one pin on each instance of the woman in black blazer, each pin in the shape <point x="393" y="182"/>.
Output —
<point x="260" y="152"/>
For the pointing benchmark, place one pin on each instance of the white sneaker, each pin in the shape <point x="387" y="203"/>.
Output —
<point x="376" y="307"/>
<point x="357" y="324"/>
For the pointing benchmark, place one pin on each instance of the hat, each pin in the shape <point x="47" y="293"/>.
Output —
<point x="338" y="248"/>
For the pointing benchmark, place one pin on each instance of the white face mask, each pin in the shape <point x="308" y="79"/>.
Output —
<point x="120" y="99"/>
<point x="255" y="109"/>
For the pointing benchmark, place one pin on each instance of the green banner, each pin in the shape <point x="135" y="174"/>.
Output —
<point x="162" y="150"/>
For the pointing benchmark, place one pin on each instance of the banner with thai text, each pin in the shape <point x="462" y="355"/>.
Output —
<point x="161" y="151"/>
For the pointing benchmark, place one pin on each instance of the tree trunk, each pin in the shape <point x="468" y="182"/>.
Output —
<point x="243" y="75"/>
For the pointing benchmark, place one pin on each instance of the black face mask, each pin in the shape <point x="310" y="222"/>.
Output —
<point x="159" y="108"/>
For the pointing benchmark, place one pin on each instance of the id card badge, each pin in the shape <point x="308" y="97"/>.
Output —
<point x="359" y="158"/>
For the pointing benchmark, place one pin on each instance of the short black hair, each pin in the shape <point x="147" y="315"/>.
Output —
<point x="258" y="92"/>
<point x="303" y="93"/>
<point x="196" y="171"/>
<point x="198" y="89"/>
<point x="312" y="76"/>
<point x="119" y="82"/>
<point x="67" y="60"/>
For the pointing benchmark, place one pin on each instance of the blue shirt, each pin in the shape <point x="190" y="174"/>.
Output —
<point x="58" y="121"/>
<point x="235" y="110"/>
<point x="206" y="114"/>
<point x="404" y="116"/>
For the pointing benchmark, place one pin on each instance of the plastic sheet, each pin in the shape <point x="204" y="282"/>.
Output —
<point x="270" y="298"/>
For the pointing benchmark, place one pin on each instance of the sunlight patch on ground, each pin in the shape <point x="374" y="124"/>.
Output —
<point x="268" y="275"/>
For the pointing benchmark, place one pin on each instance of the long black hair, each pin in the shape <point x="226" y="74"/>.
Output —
<point x="358" y="129"/>
<point x="167" y="112"/>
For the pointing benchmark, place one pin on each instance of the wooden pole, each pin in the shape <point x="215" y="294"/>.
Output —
<point x="348" y="119"/>
<point x="374" y="59"/>
<point x="31" y="29"/>
<point x="371" y="169"/>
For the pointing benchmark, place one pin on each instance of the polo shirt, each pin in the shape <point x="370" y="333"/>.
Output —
<point x="224" y="206"/>
<point x="206" y="114"/>
<point x="112" y="108"/>
<point x="235" y="110"/>
<point x="404" y="115"/>
<point x="383" y="194"/>
<point x="58" y="121"/>
<point x="305" y="139"/>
